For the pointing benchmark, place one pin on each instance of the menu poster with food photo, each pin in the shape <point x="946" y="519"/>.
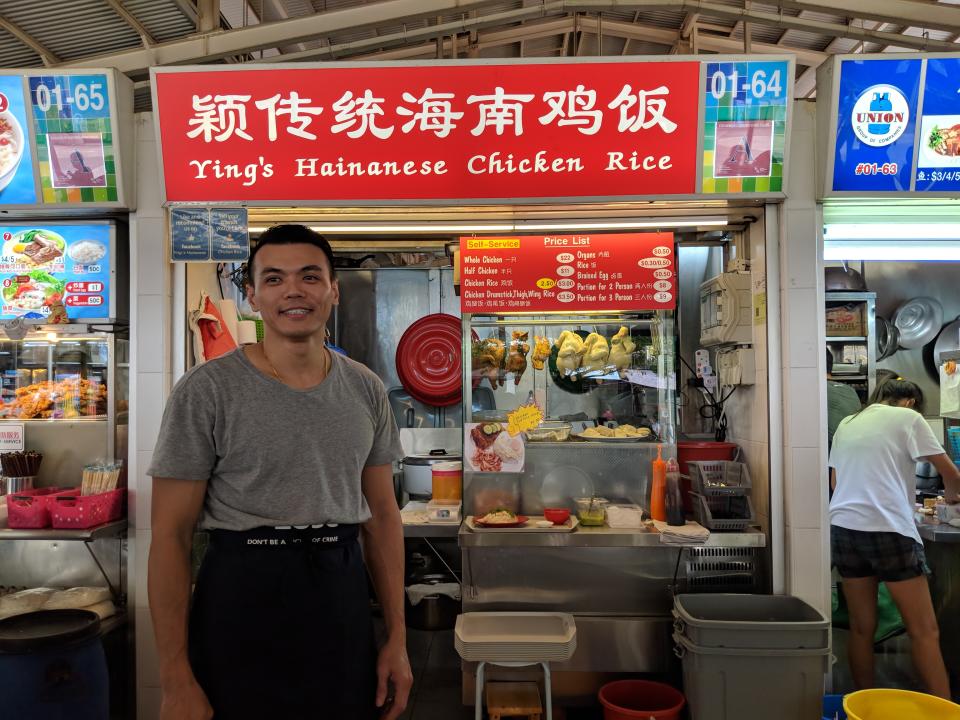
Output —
<point x="938" y="161"/>
<point x="16" y="163"/>
<point x="43" y="266"/>
<point x="488" y="447"/>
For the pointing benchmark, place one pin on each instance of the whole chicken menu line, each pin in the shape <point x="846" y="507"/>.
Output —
<point x="567" y="273"/>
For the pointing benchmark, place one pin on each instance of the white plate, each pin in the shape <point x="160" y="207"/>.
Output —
<point x="613" y="439"/>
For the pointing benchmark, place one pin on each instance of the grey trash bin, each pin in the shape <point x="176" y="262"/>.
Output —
<point x="751" y="656"/>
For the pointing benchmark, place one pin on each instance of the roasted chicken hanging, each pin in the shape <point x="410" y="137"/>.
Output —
<point x="596" y="352"/>
<point x="488" y="360"/>
<point x="541" y="351"/>
<point x="517" y="359"/>
<point x="569" y="352"/>
<point x="621" y="349"/>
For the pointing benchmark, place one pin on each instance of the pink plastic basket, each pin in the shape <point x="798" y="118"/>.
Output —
<point x="73" y="511"/>
<point x="30" y="509"/>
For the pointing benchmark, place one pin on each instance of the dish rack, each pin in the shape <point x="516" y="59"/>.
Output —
<point x="515" y="639"/>
<point x="721" y="492"/>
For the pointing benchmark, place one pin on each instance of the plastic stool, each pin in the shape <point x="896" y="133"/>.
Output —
<point x="513" y="699"/>
<point x="478" y="706"/>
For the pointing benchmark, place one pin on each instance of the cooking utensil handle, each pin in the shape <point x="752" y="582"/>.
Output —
<point x="410" y="416"/>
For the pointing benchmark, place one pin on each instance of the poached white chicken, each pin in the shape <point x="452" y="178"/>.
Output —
<point x="596" y="352"/>
<point x="621" y="349"/>
<point x="570" y="349"/>
<point x="541" y="351"/>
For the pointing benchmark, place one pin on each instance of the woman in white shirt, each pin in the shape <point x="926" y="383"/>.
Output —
<point x="873" y="536"/>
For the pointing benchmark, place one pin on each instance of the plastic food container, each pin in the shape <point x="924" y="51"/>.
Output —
<point x="447" y="481"/>
<point x="592" y="511"/>
<point x="443" y="511"/>
<point x="550" y="431"/>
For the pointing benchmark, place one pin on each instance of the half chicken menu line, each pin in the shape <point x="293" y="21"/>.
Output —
<point x="567" y="273"/>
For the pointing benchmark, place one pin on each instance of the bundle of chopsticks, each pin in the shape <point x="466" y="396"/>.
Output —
<point x="101" y="478"/>
<point x="21" y="464"/>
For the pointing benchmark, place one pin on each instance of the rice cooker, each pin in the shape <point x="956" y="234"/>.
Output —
<point x="418" y="471"/>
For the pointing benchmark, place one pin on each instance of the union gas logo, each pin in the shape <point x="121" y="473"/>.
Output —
<point x="880" y="115"/>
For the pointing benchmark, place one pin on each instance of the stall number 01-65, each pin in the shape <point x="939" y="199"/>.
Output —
<point x="85" y="97"/>
<point x="759" y="85"/>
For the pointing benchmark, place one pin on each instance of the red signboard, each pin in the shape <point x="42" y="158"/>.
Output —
<point x="428" y="132"/>
<point x="567" y="273"/>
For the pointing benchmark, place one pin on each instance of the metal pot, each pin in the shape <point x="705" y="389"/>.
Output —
<point x="843" y="278"/>
<point x="434" y="612"/>
<point x="418" y="471"/>
<point x="888" y="338"/>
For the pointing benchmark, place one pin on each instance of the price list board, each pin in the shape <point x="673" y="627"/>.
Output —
<point x="76" y="153"/>
<point x="567" y="273"/>
<point x="745" y="126"/>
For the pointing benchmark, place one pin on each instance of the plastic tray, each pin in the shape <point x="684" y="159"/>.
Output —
<point x="723" y="512"/>
<point x="530" y="526"/>
<point x="515" y="636"/>
<point x="735" y="620"/>
<point x="72" y="511"/>
<point x="718" y="478"/>
<point x="30" y="509"/>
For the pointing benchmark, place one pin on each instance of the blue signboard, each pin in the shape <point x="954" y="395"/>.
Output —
<point x="45" y="265"/>
<point x="228" y="235"/>
<point x="16" y="162"/>
<point x="938" y="154"/>
<point x="876" y="124"/>
<point x="190" y="234"/>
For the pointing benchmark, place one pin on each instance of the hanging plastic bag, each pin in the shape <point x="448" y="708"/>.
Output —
<point x="211" y="339"/>
<point x="950" y="389"/>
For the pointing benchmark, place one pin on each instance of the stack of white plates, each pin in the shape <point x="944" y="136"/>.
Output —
<point x="515" y="637"/>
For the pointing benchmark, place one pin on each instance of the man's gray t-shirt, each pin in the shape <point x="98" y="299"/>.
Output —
<point x="275" y="455"/>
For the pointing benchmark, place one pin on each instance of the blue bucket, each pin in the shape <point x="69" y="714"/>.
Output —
<point x="833" y="708"/>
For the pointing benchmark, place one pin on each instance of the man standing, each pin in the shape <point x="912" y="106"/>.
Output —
<point x="283" y="450"/>
<point x="842" y="401"/>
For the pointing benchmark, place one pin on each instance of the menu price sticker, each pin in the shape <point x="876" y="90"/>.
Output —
<point x="568" y="273"/>
<point x="523" y="419"/>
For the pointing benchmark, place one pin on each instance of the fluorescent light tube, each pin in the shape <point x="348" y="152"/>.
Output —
<point x="519" y="226"/>
<point x="892" y="231"/>
<point x="889" y="250"/>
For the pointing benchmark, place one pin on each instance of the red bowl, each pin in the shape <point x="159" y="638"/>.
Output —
<point x="558" y="516"/>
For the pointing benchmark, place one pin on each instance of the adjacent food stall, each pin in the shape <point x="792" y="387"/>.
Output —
<point x="528" y="252"/>
<point x="889" y="184"/>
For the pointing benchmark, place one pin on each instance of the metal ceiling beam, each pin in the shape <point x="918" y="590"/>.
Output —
<point x="27" y="39"/>
<point x="218" y="44"/>
<point x="145" y="37"/>
<point x="431" y="32"/>
<point x="496" y="38"/>
<point x="934" y="16"/>
<point x="786" y="21"/>
<point x="705" y="41"/>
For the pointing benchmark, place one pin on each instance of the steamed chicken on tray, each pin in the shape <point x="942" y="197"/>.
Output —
<point x="517" y="359"/>
<point x="569" y="352"/>
<point x="596" y="352"/>
<point x="621" y="349"/>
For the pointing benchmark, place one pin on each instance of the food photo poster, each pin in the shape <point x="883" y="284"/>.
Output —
<point x="16" y="162"/>
<point x="488" y="447"/>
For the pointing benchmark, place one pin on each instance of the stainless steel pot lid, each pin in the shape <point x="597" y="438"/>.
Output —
<point x="432" y="458"/>
<point x="918" y="320"/>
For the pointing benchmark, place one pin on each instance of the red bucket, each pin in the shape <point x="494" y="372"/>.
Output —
<point x="687" y="451"/>
<point x="636" y="699"/>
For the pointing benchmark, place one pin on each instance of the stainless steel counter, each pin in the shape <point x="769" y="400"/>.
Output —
<point x="602" y="537"/>
<point x="938" y="532"/>
<point x="430" y="530"/>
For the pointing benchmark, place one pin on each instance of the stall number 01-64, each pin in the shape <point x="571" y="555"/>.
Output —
<point x="759" y="84"/>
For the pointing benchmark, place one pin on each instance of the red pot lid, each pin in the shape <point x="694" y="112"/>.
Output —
<point x="429" y="361"/>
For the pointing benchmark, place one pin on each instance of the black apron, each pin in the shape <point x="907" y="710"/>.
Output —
<point x="280" y="626"/>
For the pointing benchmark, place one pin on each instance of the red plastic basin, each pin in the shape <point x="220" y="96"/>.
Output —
<point x="633" y="699"/>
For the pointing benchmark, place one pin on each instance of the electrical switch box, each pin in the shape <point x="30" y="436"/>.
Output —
<point x="726" y="310"/>
<point x="737" y="366"/>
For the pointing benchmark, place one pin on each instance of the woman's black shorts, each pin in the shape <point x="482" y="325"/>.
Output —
<point x="889" y="556"/>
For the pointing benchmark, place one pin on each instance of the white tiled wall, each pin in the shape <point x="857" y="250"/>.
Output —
<point x="803" y="373"/>
<point x="150" y="303"/>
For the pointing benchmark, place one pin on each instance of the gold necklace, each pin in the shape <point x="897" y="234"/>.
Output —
<point x="326" y="363"/>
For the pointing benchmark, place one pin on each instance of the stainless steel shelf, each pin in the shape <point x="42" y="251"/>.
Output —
<point x="431" y="530"/>
<point x="602" y="537"/>
<point x="850" y="338"/>
<point x="114" y="529"/>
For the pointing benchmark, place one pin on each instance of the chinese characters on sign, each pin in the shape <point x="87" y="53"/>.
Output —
<point x="558" y="272"/>
<point x="394" y="133"/>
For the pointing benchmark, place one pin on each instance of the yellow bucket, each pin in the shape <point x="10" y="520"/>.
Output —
<point x="898" y="705"/>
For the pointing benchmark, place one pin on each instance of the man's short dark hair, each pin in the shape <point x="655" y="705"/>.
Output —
<point x="829" y="362"/>
<point x="290" y="234"/>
